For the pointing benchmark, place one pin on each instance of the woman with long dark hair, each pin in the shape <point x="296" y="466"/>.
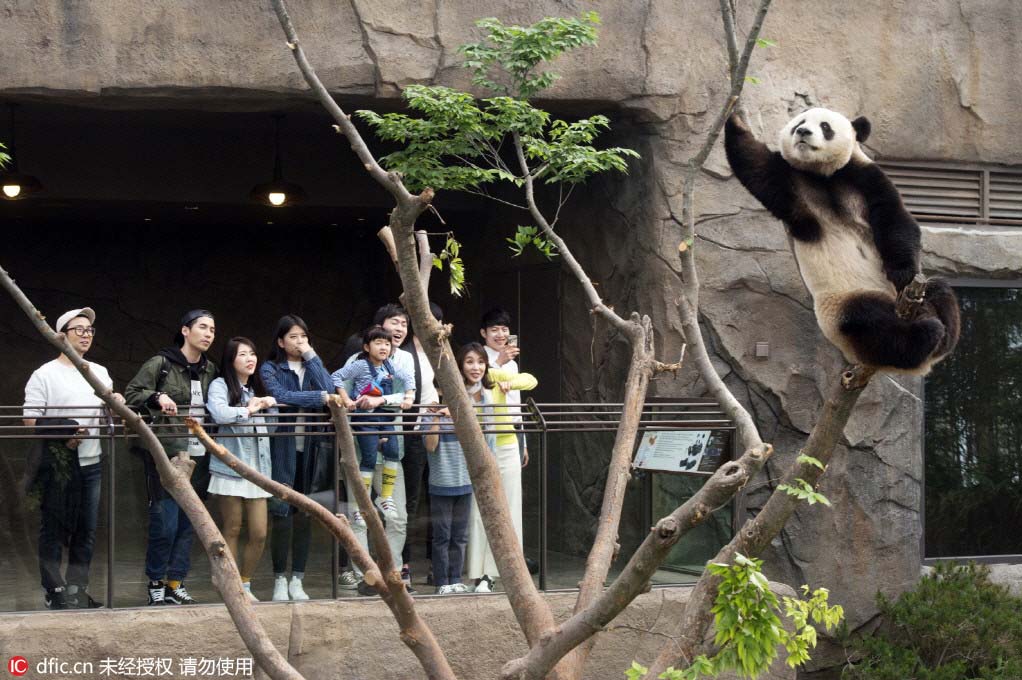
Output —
<point x="295" y="376"/>
<point x="496" y="383"/>
<point x="235" y="399"/>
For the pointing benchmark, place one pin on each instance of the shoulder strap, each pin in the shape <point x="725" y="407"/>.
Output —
<point x="388" y="366"/>
<point x="161" y="377"/>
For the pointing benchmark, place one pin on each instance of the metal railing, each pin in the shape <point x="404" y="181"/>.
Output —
<point x="542" y="419"/>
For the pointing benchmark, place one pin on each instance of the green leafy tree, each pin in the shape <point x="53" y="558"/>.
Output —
<point x="455" y="141"/>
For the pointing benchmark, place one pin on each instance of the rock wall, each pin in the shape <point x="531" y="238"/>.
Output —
<point x="938" y="81"/>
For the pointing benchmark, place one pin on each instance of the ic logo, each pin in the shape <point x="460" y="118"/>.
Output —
<point x="17" y="665"/>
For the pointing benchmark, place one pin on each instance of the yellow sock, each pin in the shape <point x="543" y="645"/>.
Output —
<point x="367" y="479"/>
<point x="389" y="478"/>
<point x="173" y="585"/>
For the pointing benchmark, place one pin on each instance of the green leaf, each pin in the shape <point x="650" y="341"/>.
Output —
<point x="636" y="672"/>
<point x="803" y="459"/>
<point x="752" y="79"/>
<point x="765" y="42"/>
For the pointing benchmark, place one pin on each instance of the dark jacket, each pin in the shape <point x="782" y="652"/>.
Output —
<point x="141" y="392"/>
<point x="282" y="384"/>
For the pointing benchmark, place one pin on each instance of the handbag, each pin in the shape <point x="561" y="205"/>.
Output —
<point x="322" y="465"/>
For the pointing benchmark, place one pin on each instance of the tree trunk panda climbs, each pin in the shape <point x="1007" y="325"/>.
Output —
<point x="855" y="243"/>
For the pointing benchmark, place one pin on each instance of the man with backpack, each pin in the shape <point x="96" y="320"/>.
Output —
<point x="170" y="385"/>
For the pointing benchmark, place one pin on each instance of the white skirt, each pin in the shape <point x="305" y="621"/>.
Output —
<point x="478" y="556"/>
<point x="222" y="485"/>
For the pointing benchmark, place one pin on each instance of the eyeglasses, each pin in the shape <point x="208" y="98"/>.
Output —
<point x="82" y="331"/>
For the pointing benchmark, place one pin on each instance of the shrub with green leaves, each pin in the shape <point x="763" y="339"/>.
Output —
<point x="955" y="625"/>
<point x="747" y="618"/>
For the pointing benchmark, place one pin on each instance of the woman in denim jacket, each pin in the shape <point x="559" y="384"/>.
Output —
<point x="295" y="376"/>
<point x="234" y="401"/>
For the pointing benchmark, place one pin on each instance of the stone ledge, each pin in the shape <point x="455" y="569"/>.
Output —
<point x="349" y="639"/>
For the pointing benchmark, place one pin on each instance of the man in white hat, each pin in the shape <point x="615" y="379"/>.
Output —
<point x="68" y="477"/>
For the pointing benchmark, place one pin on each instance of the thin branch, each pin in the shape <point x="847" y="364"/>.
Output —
<point x="560" y="203"/>
<point x="596" y="302"/>
<point x="175" y="479"/>
<point x="484" y="194"/>
<point x="688" y="305"/>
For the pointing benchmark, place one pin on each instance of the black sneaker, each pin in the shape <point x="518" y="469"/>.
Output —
<point x="55" y="599"/>
<point x="532" y="564"/>
<point x="82" y="600"/>
<point x="365" y="589"/>
<point x="178" y="595"/>
<point x="157" y="591"/>
<point x="484" y="585"/>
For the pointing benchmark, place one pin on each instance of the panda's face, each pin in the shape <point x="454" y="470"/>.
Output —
<point x="821" y="141"/>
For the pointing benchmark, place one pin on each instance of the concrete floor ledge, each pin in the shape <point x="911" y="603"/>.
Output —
<point x="343" y="640"/>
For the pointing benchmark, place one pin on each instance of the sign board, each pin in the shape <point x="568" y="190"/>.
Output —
<point x="691" y="451"/>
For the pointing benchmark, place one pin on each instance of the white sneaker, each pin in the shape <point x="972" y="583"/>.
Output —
<point x="484" y="585"/>
<point x="445" y="590"/>
<point x="357" y="519"/>
<point x="387" y="506"/>
<point x="247" y="587"/>
<point x="280" y="589"/>
<point x="348" y="580"/>
<point x="459" y="588"/>
<point x="295" y="590"/>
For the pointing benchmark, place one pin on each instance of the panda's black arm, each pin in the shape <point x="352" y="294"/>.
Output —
<point x="768" y="177"/>
<point x="896" y="234"/>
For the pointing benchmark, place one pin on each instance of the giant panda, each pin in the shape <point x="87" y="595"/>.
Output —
<point x="856" y="245"/>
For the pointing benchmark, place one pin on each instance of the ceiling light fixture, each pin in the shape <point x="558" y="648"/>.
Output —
<point x="278" y="193"/>
<point x="16" y="185"/>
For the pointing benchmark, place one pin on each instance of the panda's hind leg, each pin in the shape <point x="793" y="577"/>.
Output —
<point x="941" y="301"/>
<point x="879" y="337"/>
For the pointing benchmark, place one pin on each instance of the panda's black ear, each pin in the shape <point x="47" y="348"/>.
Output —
<point x="862" y="128"/>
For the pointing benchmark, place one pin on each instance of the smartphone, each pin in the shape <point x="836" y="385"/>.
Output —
<point x="512" y="340"/>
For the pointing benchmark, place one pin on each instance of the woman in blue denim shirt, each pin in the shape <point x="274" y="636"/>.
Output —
<point x="295" y="376"/>
<point x="233" y="401"/>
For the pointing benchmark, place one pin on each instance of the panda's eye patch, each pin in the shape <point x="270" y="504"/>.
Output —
<point x="828" y="131"/>
<point x="796" y="126"/>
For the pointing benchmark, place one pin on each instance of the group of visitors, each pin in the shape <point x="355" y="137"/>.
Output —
<point x="385" y="380"/>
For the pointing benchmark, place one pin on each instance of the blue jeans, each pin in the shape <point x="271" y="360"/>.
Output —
<point x="369" y="443"/>
<point x="80" y="530"/>
<point x="170" y="541"/>
<point x="450" y="536"/>
<point x="168" y="553"/>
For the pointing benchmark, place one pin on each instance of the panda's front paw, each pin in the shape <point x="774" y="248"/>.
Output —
<point x="901" y="277"/>
<point x="735" y="122"/>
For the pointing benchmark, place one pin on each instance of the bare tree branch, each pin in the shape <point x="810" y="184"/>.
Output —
<point x="389" y="181"/>
<point x="757" y="533"/>
<point x="595" y="301"/>
<point x="634" y="579"/>
<point x="688" y="306"/>
<point x="175" y="479"/>
<point x="414" y="631"/>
